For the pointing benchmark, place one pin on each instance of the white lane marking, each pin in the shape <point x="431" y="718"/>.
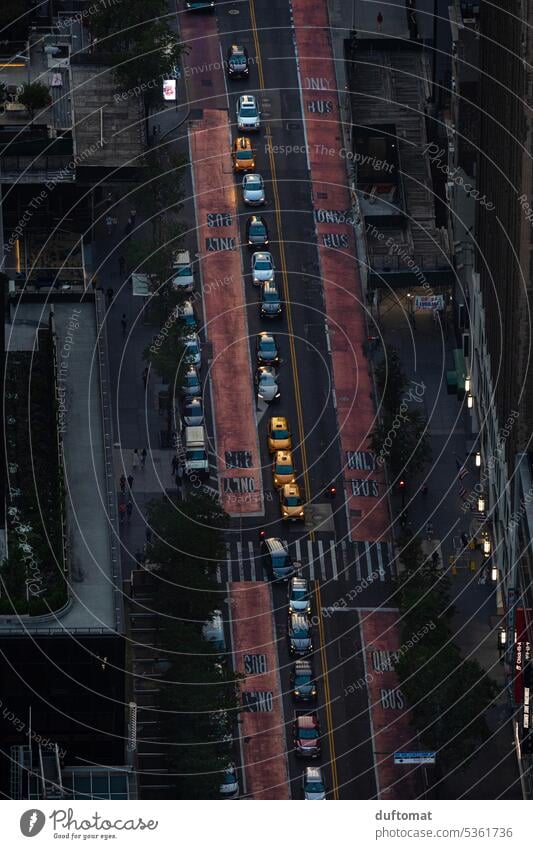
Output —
<point x="321" y="556"/>
<point x="333" y="560"/>
<point x="381" y="570"/>
<point x="368" y="561"/>
<point x="252" y="560"/>
<point x="239" y="555"/>
<point x="310" y="559"/>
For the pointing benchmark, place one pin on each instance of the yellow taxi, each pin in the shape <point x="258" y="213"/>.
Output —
<point x="243" y="155"/>
<point x="290" y="499"/>
<point x="279" y="435"/>
<point x="283" y="469"/>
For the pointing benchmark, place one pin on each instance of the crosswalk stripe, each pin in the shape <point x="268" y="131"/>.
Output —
<point x="380" y="562"/>
<point x="252" y="559"/>
<point x="239" y="557"/>
<point x="321" y="556"/>
<point x="310" y="559"/>
<point x="368" y="561"/>
<point x="333" y="560"/>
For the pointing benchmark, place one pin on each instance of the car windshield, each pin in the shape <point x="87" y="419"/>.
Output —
<point x="314" y="787"/>
<point x="268" y="379"/>
<point x="302" y="680"/>
<point x="192" y="346"/>
<point x="244" y="154"/>
<point x="184" y="271"/>
<point x="270" y="295"/>
<point x="248" y="110"/>
<point x="193" y="410"/>
<point x="254" y="181"/>
<point x="229" y="778"/>
<point x="300" y="632"/>
<point x="307" y="733"/>
<point x="196" y="455"/>
<point x="299" y="594"/>
<point x="191" y="380"/>
<point x="280" y="433"/>
<point x="238" y="59"/>
<point x="257" y="229"/>
<point x="283" y="469"/>
<point x="292" y="501"/>
<point x="268" y="346"/>
<point x="280" y="560"/>
<point x="262" y="265"/>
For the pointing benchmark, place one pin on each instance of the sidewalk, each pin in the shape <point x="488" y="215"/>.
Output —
<point x="425" y="357"/>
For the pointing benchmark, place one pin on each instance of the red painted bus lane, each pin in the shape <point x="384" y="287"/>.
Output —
<point x="238" y="458"/>
<point x="262" y="728"/>
<point x="390" y="722"/>
<point x="365" y="483"/>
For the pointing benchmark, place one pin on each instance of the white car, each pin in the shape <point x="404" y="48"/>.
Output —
<point x="182" y="277"/>
<point x="193" y="350"/>
<point x="248" y="115"/>
<point x="229" y="788"/>
<point x="267" y="384"/>
<point x="253" y="189"/>
<point x="262" y="267"/>
<point x="313" y="783"/>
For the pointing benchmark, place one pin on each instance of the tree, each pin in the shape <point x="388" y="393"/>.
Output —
<point x="391" y="380"/>
<point x="161" y="194"/>
<point x="35" y="96"/>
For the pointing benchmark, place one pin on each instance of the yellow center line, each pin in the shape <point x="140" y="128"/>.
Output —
<point x="285" y="278"/>
<point x="327" y="693"/>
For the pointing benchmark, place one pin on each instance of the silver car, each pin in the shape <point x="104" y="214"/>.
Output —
<point x="313" y="783"/>
<point x="267" y="384"/>
<point x="253" y="189"/>
<point x="262" y="267"/>
<point x="248" y="115"/>
<point x="190" y="387"/>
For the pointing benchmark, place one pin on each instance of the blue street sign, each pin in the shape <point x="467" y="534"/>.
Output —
<point x="414" y="757"/>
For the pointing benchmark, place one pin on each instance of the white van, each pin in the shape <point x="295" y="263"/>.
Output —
<point x="196" y="459"/>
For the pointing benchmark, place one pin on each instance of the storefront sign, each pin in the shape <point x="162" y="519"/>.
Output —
<point x="429" y="302"/>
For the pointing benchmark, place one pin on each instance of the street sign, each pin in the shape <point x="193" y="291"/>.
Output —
<point x="414" y="757"/>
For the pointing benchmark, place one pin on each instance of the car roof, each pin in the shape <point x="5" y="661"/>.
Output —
<point x="243" y="142"/>
<point x="283" y="457"/>
<point x="297" y="581"/>
<point x="247" y="99"/>
<point x="307" y="721"/>
<point x="270" y="285"/>
<point x="256" y="219"/>
<point x="302" y="666"/>
<point x="237" y="48"/>
<point x="266" y="336"/>
<point x="313" y="773"/>
<point x="279" y="423"/>
<point x="300" y="619"/>
<point x="275" y="544"/>
<point x="291" y="489"/>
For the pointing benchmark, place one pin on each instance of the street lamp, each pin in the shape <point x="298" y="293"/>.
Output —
<point x="469" y="401"/>
<point x="478" y="459"/>
<point x="467" y="384"/>
<point x="502" y="637"/>
<point x="486" y="546"/>
<point x="481" y="504"/>
<point x="494" y="574"/>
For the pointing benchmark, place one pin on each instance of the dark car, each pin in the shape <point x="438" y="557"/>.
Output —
<point x="277" y="560"/>
<point x="257" y="231"/>
<point x="306" y="735"/>
<point x="302" y="682"/>
<point x="237" y="63"/>
<point x="266" y="349"/>
<point x="299" y="634"/>
<point x="270" y="300"/>
<point x="193" y="412"/>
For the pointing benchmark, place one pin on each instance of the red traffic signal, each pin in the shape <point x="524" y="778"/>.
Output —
<point x="262" y="533"/>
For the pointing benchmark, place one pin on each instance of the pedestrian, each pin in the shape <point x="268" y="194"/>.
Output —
<point x="424" y="490"/>
<point x="148" y="535"/>
<point x="121" y="265"/>
<point x="143" y="458"/>
<point x="109" y="224"/>
<point x="379" y="21"/>
<point x="145" y="378"/>
<point x="122" y="484"/>
<point x="121" y="512"/>
<point x="130" y="481"/>
<point x="134" y="460"/>
<point x="124" y="323"/>
<point x="464" y="539"/>
<point x="129" y="509"/>
<point x="110" y="296"/>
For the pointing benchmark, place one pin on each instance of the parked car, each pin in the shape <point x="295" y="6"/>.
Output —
<point x="192" y="349"/>
<point x="193" y="412"/>
<point x="270" y="300"/>
<point x="257" y="231"/>
<point x="313" y="783"/>
<point x="229" y="787"/>
<point x="266" y="382"/>
<point x="182" y="274"/>
<point x="299" y="595"/>
<point x="266" y="349"/>
<point x="237" y="64"/>
<point x="253" y="189"/>
<point x="302" y="682"/>
<point x="248" y="115"/>
<point x="190" y="387"/>
<point x="306" y="735"/>
<point x="299" y="634"/>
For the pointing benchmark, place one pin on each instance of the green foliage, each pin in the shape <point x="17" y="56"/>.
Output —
<point x="35" y="96"/>
<point x="162" y="194"/>
<point x="198" y="694"/>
